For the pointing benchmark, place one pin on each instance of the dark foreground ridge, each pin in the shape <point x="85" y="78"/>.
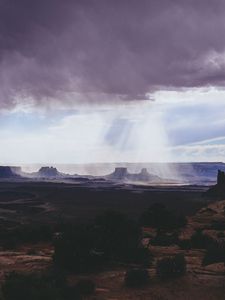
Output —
<point x="71" y="242"/>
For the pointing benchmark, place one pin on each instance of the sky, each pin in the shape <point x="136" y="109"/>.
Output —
<point x="112" y="81"/>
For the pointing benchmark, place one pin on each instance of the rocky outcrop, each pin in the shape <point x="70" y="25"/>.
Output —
<point x="48" y="172"/>
<point x="6" y="172"/>
<point x="17" y="170"/>
<point x="119" y="173"/>
<point x="221" y="178"/>
<point x="218" y="190"/>
<point x="144" y="176"/>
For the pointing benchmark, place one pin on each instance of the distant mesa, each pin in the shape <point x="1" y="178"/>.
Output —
<point x="7" y="172"/>
<point x="48" y="172"/>
<point x="123" y="174"/>
<point x="119" y="173"/>
<point x="145" y="176"/>
<point x="16" y="170"/>
<point x="191" y="173"/>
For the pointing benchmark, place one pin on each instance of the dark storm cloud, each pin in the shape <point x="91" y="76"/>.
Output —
<point x="52" y="48"/>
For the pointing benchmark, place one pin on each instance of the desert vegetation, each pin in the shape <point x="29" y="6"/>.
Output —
<point x="45" y="286"/>
<point x="215" y="252"/>
<point x="112" y="238"/>
<point x="157" y="216"/>
<point x="170" y="267"/>
<point x="18" y="235"/>
<point x="136" y="278"/>
<point x="136" y="251"/>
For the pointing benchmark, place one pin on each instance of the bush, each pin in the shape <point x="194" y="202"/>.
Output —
<point x="184" y="244"/>
<point x="117" y="236"/>
<point x="171" y="266"/>
<point x="165" y="239"/>
<point x="142" y="256"/>
<point x="218" y="225"/>
<point x="221" y="234"/>
<point x="112" y="238"/>
<point x="27" y="287"/>
<point x="75" y="250"/>
<point x="10" y="239"/>
<point x="44" y="287"/>
<point x="157" y="216"/>
<point x="199" y="240"/>
<point x="136" y="278"/>
<point x="85" y="287"/>
<point x="215" y="253"/>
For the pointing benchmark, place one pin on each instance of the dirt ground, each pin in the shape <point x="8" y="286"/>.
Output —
<point x="207" y="283"/>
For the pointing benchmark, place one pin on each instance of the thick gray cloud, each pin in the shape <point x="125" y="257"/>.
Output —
<point x="50" y="49"/>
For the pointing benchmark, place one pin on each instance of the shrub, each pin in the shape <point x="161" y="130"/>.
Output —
<point x="171" y="266"/>
<point x="184" y="244"/>
<point x="142" y="256"/>
<point x="32" y="252"/>
<point x="85" y="287"/>
<point x="136" y="278"/>
<point x="218" y="225"/>
<point x="157" y="216"/>
<point x="117" y="236"/>
<point x="112" y="238"/>
<point x="215" y="253"/>
<point x="75" y="250"/>
<point x="10" y="239"/>
<point x="165" y="239"/>
<point x="221" y="234"/>
<point x="199" y="240"/>
<point x="27" y="287"/>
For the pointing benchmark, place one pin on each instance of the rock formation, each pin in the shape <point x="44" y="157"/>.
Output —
<point x="48" y="172"/>
<point x="218" y="190"/>
<point x="221" y="178"/>
<point x="121" y="174"/>
<point x="6" y="172"/>
<point x="144" y="175"/>
<point x="16" y="170"/>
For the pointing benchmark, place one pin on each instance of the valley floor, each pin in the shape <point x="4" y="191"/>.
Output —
<point x="18" y="201"/>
